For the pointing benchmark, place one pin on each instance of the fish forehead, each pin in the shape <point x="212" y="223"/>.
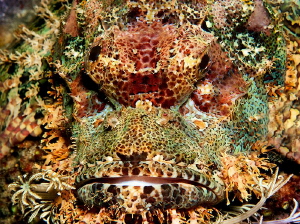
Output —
<point x="149" y="58"/>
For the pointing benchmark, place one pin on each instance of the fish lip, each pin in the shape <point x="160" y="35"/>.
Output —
<point x="103" y="174"/>
<point x="174" y="187"/>
<point x="146" y="179"/>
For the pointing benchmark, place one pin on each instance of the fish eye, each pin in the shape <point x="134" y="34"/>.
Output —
<point x="94" y="53"/>
<point x="204" y="62"/>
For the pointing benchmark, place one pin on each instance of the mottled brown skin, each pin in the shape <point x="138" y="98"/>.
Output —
<point x="148" y="61"/>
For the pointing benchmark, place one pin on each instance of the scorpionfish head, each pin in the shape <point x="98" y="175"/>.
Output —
<point x="139" y="159"/>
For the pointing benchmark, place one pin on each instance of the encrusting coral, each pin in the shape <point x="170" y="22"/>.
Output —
<point x="150" y="111"/>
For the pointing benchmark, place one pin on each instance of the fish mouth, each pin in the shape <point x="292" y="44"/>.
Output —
<point x="135" y="187"/>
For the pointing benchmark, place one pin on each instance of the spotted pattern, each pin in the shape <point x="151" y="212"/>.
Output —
<point x="149" y="111"/>
<point x="134" y="139"/>
<point x="155" y="62"/>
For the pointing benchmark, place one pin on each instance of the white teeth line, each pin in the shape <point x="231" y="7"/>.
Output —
<point x="135" y="183"/>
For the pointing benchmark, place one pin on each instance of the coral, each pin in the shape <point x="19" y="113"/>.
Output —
<point x="284" y="107"/>
<point x="13" y="14"/>
<point x="282" y="200"/>
<point x="288" y="13"/>
<point x="293" y="184"/>
<point x="22" y="98"/>
<point x="242" y="174"/>
<point x="267" y="191"/>
<point x="36" y="194"/>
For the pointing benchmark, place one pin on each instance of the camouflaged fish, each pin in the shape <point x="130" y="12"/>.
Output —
<point x="150" y="111"/>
